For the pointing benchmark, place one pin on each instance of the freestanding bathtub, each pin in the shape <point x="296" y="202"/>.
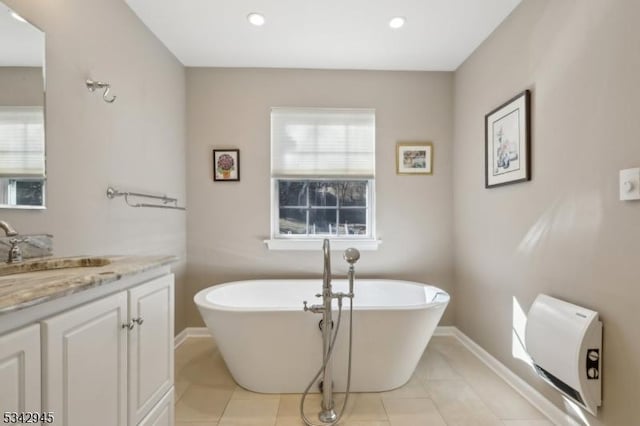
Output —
<point x="271" y="345"/>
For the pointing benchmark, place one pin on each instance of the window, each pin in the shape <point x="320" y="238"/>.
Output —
<point x="22" y="156"/>
<point x="315" y="208"/>
<point x="323" y="174"/>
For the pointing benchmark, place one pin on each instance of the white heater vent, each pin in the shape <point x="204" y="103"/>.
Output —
<point x="565" y="344"/>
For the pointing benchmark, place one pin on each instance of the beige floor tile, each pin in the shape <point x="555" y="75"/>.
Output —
<point x="202" y="403"/>
<point x="363" y="407"/>
<point x="192" y="348"/>
<point x="250" y="412"/>
<point x="289" y="409"/>
<point x="501" y="398"/>
<point x="197" y="424"/>
<point x="298" y="422"/>
<point x="207" y="369"/>
<point x="412" y="389"/>
<point x="181" y="387"/>
<point x="433" y="366"/>
<point x="413" y="412"/>
<point x="242" y="393"/>
<point x="449" y="383"/>
<point x="289" y="421"/>
<point x="459" y="405"/>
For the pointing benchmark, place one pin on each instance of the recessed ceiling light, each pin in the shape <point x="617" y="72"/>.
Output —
<point x="17" y="17"/>
<point x="397" y="22"/>
<point x="256" y="19"/>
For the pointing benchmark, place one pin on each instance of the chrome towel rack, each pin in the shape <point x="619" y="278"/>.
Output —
<point x="166" y="201"/>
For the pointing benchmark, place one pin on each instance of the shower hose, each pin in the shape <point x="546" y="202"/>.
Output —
<point x="324" y="364"/>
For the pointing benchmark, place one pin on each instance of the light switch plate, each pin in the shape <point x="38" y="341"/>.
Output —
<point x="630" y="184"/>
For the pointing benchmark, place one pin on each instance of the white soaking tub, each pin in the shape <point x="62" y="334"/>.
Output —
<point x="272" y="346"/>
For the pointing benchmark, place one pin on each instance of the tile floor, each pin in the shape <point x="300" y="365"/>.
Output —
<point x="450" y="387"/>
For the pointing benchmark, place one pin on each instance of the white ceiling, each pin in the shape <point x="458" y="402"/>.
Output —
<point x="334" y="34"/>
<point x="21" y="44"/>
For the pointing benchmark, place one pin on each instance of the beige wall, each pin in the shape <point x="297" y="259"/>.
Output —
<point x="565" y="233"/>
<point x="21" y="86"/>
<point x="137" y="143"/>
<point x="227" y="222"/>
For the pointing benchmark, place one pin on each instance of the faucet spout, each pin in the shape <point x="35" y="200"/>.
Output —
<point x="8" y="229"/>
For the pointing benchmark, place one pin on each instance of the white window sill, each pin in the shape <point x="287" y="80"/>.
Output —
<point x="339" y="244"/>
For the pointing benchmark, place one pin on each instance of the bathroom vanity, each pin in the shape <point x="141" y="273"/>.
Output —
<point x="88" y="341"/>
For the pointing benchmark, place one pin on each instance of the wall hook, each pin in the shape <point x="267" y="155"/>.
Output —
<point x="95" y="85"/>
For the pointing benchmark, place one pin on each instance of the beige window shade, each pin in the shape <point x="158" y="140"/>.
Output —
<point x="322" y="142"/>
<point x="21" y="142"/>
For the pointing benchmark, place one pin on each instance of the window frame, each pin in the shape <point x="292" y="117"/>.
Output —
<point x="309" y="241"/>
<point x="8" y="193"/>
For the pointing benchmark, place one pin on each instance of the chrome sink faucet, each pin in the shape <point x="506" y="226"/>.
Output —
<point x="15" y="255"/>
<point x="8" y="229"/>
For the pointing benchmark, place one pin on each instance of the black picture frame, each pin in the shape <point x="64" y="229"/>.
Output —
<point x="226" y="165"/>
<point x="507" y="144"/>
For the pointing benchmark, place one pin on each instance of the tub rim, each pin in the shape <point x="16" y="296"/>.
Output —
<point x="200" y="298"/>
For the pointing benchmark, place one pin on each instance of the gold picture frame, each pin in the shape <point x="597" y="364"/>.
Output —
<point x="414" y="158"/>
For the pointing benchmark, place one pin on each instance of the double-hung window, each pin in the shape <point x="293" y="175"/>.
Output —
<point x="323" y="175"/>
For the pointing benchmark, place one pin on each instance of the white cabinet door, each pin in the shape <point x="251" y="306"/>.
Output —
<point x="20" y="370"/>
<point x="85" y="364"/>
<point x="162" y="414"/>
<point x="151" y="307"/>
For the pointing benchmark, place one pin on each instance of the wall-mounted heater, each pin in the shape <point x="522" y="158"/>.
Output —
<point x="565" y="344"/>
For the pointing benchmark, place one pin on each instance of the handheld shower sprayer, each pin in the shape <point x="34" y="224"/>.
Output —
<point x="351" y="255"/>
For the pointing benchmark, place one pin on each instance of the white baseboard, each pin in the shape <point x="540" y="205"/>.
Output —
<point x="528" y="392"/>
<point x="445" y="330"/>
<point x="546" y="407"/>
<point x="195" y="332"/>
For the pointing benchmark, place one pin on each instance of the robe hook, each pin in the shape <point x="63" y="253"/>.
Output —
<point x="95" y="85"/>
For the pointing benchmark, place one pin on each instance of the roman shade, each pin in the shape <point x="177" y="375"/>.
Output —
<point x="322" y="142"/>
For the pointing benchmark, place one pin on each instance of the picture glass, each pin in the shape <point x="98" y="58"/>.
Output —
<point x="414" y="158"/>
<point x="226" y="165"/>
<point x="507" y="142"/>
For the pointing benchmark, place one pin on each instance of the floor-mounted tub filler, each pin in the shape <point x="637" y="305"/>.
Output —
<point x="270" y="345"/>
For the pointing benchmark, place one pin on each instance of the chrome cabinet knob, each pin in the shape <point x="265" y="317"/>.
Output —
<point x="138" y="320"/>
<point x="129" y="325"/>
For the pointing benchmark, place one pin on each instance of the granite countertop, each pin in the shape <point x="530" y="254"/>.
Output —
<point x="28" y="284"/>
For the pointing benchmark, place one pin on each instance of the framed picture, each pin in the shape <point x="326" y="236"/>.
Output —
<point x="507" y="147"/>
<point x="226" y="164"/>
<point x="414" y="158"/>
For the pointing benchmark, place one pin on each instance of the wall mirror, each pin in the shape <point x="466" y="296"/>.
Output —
<point x="22" y="134"/>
